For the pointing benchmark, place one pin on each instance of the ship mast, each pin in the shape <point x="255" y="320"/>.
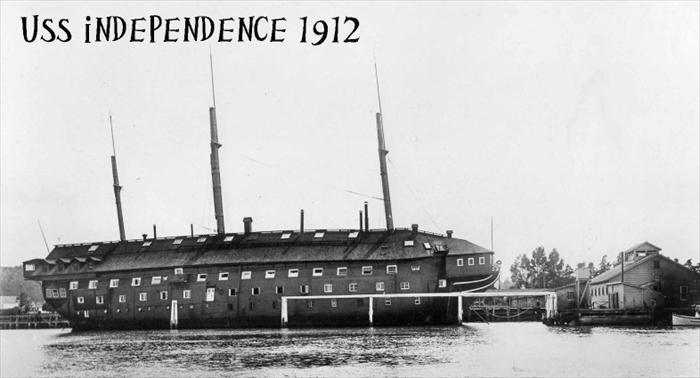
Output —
<point x="214" y="157"/>
<point x="382" y="159"/>
<point x="117" y="187"/>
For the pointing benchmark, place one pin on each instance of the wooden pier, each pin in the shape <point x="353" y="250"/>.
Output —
<point x="50" y="320"/>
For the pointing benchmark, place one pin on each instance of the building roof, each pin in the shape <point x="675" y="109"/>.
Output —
<point x="644" y="247"/>
<point x="256" y="248"/>
<point x="617" y="270"/>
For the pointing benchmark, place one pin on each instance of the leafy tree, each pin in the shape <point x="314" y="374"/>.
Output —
<point x="604" y="265"/>
<point x="540" y="270"/>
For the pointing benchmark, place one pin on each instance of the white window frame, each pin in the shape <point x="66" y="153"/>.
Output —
<point x="470" y="261"/>
<point x="99" y="299"/>
<point x="55" y="293"/>
<point x="201" y="239"/>
<point x="460" y="262"/>
<point x="164" y="295"/>
<point x="143" y="296"/>
<point x="178" y="271"/>
<point x="392" y="269"/>
<point x="317" y="272"/>
<point x="367" y="270"/>
<point x="49" y="293"/>
<point x="62" y="292"/>
<point x="81" y="300"/>
<point x="482" y="260"/>
<point x="279" y="290"/>
<point x="292" y="273"/>
<point x="122" y="298"/>
<point x="387" y="301"/>
<point x="223" y="276"/>
<point x="405" y="285"/>
<point x="334" y="303"/>
<point x="92" y="284"/>
<point x="156" y="280"/>
<point x="232" y="292"/>
<point x="177" y="241"/>
<point x="73" y="285"/>
<point x="352" y="287"/>
<point x="186" y="294"/>
<point x="93" y="248"/>
<point x="328" y="288"/>
<point x="270" y="274"/>
<point x="342" y="271"/>
<point x="379" y="286"/>
<point x="286" y="235"/>
<point x="228" y="238"/>
<point x="408" y="243"/>
<point x="416" y="301"/>
<point x="136" y="281"/>
<point x="415" y="268"/>
<point x="201" y="277"/>
<point x="146" y="243"/>
<point x="29" y="267"/>
<point x="253" y="291"/>
<point x="246" y="274"/>
<point x="353" y="234"/>
<point x="304" y="289"/>
<point x="114" y="282"/>
<point x="442" y="283"/>
<point x="210" y="294"/>
<point x="427" y="246"/>
<point x="319" y="234"/>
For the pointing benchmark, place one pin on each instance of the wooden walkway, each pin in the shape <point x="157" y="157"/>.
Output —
<point x="50" y="320"/>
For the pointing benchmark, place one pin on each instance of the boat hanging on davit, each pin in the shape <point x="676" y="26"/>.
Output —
<point x="322" y="277"/>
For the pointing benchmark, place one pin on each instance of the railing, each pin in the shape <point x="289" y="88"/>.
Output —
<point x="50" y="320"/>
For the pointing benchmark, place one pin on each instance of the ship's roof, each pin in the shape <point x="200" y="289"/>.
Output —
<point x="260" y="248"/>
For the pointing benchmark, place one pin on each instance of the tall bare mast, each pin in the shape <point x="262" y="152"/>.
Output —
<point x="117" y="187"/>
<point x="214" y="157"/>
<point x="382" y="159"/>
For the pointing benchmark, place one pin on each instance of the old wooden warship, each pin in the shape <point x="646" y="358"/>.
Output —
<point x="301" y="277"/>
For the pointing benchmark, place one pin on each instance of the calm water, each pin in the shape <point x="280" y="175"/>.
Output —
<point x="500" y="349"/>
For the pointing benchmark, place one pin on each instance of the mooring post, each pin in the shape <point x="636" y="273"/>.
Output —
<point x="283" y="313"/>
<point x="371" y="311"/>
<point x="173" y="314"/>
<point x="460" y="312"/>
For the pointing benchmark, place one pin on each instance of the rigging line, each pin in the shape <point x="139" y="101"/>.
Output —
<point x="313" y="179"/>
<point x="43" y="236"/>
<point x="414" y="194"/>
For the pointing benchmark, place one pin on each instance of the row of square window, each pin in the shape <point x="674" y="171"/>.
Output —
<point x="284" y="236"/>
<point x="470" y="261"/>
<point x="245" y="275"/>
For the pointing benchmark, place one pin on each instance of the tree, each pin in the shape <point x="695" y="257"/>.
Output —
<point x="540" y="270"/>
<point x="604" y="266"/>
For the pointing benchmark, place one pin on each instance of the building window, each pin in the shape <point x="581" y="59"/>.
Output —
<point x="177" y="241"/>
<point x="415" y="268"/>
<point x="62" y="292"/>
<point x="143" y="297"/>
<point x="482" y="260"/>
<point x="232" y="292"/>
<point x="442" y="283"/>
<point x="73" y="285"/>
<point x="286" y="235"/>
<point x="310" y="304"/>
<point x="93" y="248"/>
<point x="92" y="284"/>
<point x="99" y="299"/>
<point x="186" y="294"/>
<point x="343" y="271"/>
<point x="179" y="271"/>
<point x="223" y="276"/>
<point x="327" y="288"/>
<point x="293" y="273"/>
<point x="210" y="294"/>
<point x="279" y="290"/>
<point x="405" y="286"/>
<point x="408" y="243"/>
<point x="86" y="313"/>
<point x="269" y="274"/>
<point x="366" y="270"/>
<point x="81" y="300"/>
<point x="136" y="281"/>
<point x="202" y="239"/>
<point x="163" y="295"/>
<point x="460" y="262"/>
<point x="657" y="264"/>
<point x="255" y="291"/>
<point x="146" y="244"/>
<point x="570" y="295"/>
<point x="353" y="235"/>
<point x="228" y="238"/>
<point x="470" y="261"/>
<point x="416" y="301"/>
<point x="352" y="287"/>
<point x="427" y="245"/>
<point x="318" y="272"/>
<point x="114" y="282"/>
<point x="246" y="275"/>
<point x="29" y="267"/>
<point x="55" y="293"/>
<point x="201" y="277"/>
<point x="391" y="269"/>
<point x="49" y="293"/>
<point x="122" y="298"/>
<point x="319" y="235"/>
<point x="304" y="289"/>
<point x="379" y="286"/>
<point x="334" y="303"/>
<point x="156" y="280"/>
<point x="387" y="301"/>
<point x="684" y="293"/>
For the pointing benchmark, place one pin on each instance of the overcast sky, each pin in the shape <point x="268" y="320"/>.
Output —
<point x="574" y="125"/>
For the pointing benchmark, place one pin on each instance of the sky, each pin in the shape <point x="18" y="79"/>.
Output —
<point x="572" y="125"/>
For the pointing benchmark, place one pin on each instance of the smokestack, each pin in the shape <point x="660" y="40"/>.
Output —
<point x="414" y="228"/>
<point x="247" y="225"/>
<point x="155" y="234"/>
<point x="214" y="157"/>
<point x="144" y="236"/>
<point x="301" y="221"/>
<point x="117" y="187"/>
<point x="449" y="234"/>
<point x="366" y="218"/>
<point x="382" y="160"/>
<point x="191" y="230"/>
<point x="360" y="220"/>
